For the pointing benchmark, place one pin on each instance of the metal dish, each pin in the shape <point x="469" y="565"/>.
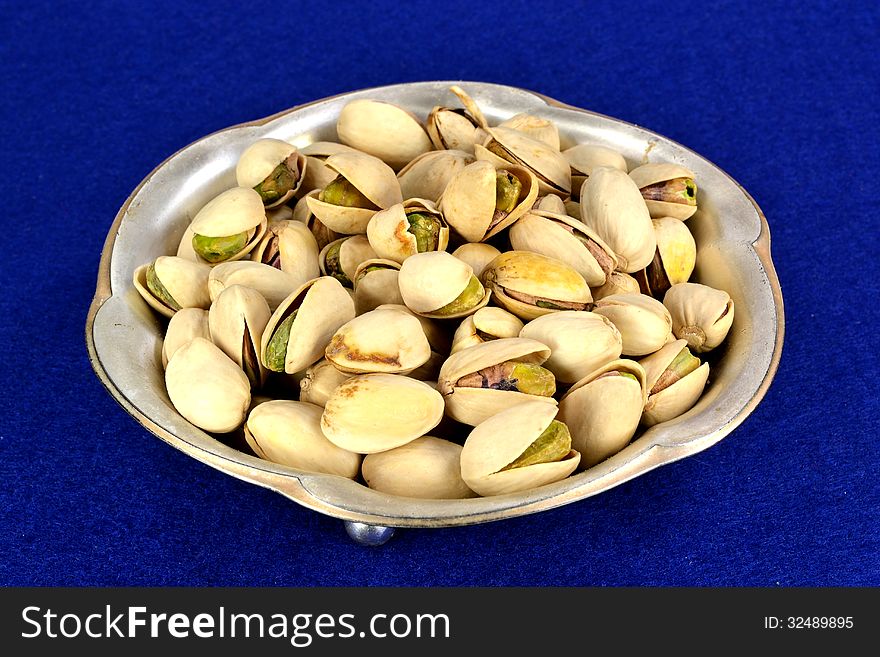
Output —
<point x="124" y="335"/>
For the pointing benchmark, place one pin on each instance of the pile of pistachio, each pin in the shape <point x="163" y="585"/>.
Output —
<point x="438" y="309"/>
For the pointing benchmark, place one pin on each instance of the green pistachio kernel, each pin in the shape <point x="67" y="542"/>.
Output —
<point x="154" y="285"/>
<point x="366" y="270"/>
<point x="218" y="249"/>
<point x="470" y="297"/>
<point x="341" y="192"/>
<point x="426" y="229"/>
<point x="677" y="190"/>
<point x="277" y="183"/>
<point x="332" y="265"/>
<point x="629" y="376"/>
<point x="507" y="191"/>
<point x="553" y="445"/>
<point x="683" y="364"/>
<point x="276" y="350"/>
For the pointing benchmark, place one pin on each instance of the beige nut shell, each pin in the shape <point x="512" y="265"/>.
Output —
<point x="185" y="325"/>
<point x="383" y="130"/>
<point x="273" y="284"/>
<point x="237" y="319"/>
<point x="319" y="382"/>
<point x="644" y="323"/>
<point x="429" y="281"/>
<point x="700" y="314"/>
<point x="186" y="282"/>
<point x="653" y="173"/>
<point x="547" y="164"/>
<point x="676" y="399"/>
<point x="376" y="287"/>
<point x="388" y="230"/>
<point x="489" y="321"/>
<point x="428" y="174"/>
<point x="477" y="255"/>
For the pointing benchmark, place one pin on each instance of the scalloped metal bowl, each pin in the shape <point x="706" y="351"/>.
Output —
<point x="124" y="336"/>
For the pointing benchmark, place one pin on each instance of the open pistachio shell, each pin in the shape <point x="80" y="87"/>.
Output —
<point x="383" y="130"/>
<point x="486" y="324"/>
<point x="375" y="284"/>
<point x="499" y="441"/>
<point x="649" y="175"/>
<point x="537" y="128"/>
<point x="237" y="319"/>
<point x="477" y="255"/>
<point x="291" y="247"/>
<point x="643" y="322"/>
<point x="180" y="283"/>
<point x="319" y="382"/>
<point x="274" y="168"/>
<point x="430" y="284"/>
<point x="583" y="158"/>
<point x="671" y="400"/>
<point x="321" y="305"/>
<point x="394" y="236"/>
<point x="452" y="129"/>
<point x="382" y="340"/>
<point x="301" y="212"/>
<point x="206" y="387"/>
<point x="505" y="146"/>
<point x="472" y="405"/>
<point x="700" y="314"/>
<point x="341" y="258"/>
<point x="317" y="175"/>
<point x="237" y="211"/>
<point x="602" y="410"/>
<point x="674" y="258"/>
<point x="185" y="325"/>
<point x="426" y="468"/>
<point x="427" y="175"/>
<point x="613" y="207"/>
<point x="530" y="285"/>
<point x="289" y="433"/>
<point x="377" y="412"/>
<point x="617" y="283"/>
<point x="579" y="342"/>
<point x="273" y="284"/>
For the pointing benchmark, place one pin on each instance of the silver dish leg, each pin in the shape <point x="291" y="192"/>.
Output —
<point x="369" y="535"/>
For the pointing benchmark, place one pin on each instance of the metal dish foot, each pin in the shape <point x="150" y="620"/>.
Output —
<point x="368" y="535"/>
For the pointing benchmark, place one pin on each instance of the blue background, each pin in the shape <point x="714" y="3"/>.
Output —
<point x="785" y="99"/>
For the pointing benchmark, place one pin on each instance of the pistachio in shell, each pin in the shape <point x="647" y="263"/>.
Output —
<point x="477" y="255"/>
<point x="274" y="285"/>
<point x="185" y="325"/>
<point x="504" y="146"/>
<point x="273" y="168"/>
<point x="700" y="314"/>
<point x="669" y="190"/>
<point x="170" y="283"/>
<point x="291" y="247"/>
<point x="437" y="284"/>
<point x="319" y="381"/>
<point x="316" y="175"/>
<point x="384" y="130"/>
<point x="644" y="323"/>
<point x="617" y="283"/>
<point x="228" y="227"/>
<point x="536" y="127"/>
<point x="451" y="128"/>
<point x="237" y="319"/>
<point x="301" y="213"/>
<point x="404" y="229"/>
<point x="341" y="258"/>
<point x="674" y="379"/>
<point x="583" y="158"/>
<point x="486" y="324"/>
<point x="674" y="259"/>
<point x="427" y="176"/>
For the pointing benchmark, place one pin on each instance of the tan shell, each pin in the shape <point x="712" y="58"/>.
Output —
<point x="676" y="399"/>
<point x="617" y="283"/>
<point x="301" y="213"/>
<point x="429" y="281"/>
<point x="289" y="433"/>
<point x="319" y="382"/>
<point x="603" y="414"/>
<point x="234" y="211"/>
<point x="317" y="175"/>
<point x="500" y="440"/>
<point x="324" y="306"/>
<point x="377" y="287"/>
<point x="554" y="235"/>
<point x="185" y="324"/>
<point x="383" y="130"/>
<point x="355" y="250"/>
<point x="437" y="336"/>
<point x="273" y="284"/>
<point x="477" y="255"/>
<point x="534" y="274"/>
<point x="488" y="321"/>
<point x="388" y="230"/>
<point x="186" y="282"/>
<point x="677" y="250"/>
<point x="427" y="175"/>
<point x="468" y="203"/>
<point x="382" y="340"/>
<point x="372" y="177"/>
<point x="650" y="174"/>
<point x="583" y="158"/>
<point x="700" y="314"/>
<point x="579" y="342"/>
<point x="261" y="158"/>
<point x="206" y="387"/>
<point x="452" y="129"/>
<point x="612" y="205"/>
<point x="643" y="322"/>
<point x="295" y="246"/>
<point x="537" y="128"/>
<point x="547" y="164"/>
<point x="237" y="319"/>
<point x="474" y="405"/>
<point x="550" y="203"/>
<point x="377" y="412"/>
<point x="426" y="468"/>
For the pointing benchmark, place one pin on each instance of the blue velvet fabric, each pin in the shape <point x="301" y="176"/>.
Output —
<point x="783" y="96"/>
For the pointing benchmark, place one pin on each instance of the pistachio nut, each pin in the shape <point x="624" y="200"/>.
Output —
<point x="426" y="468"/>
<point x="537" y="128"/>
<point x="700" y="314"/>
<point x="237" y="319"/>
<point x="375" y="284"/>
<point x="519" y="448"/>
<point x="301" y="213"/>
<point x="529" y="284"/>
<point x="674" y="258"/>
<point x="185" y="324"/>
<point x="273" y="168"/>
<point x="289" y="246"/>
<point x="674" y="379"/>
<point x="603" y="410"/>
<point x="477" y="255"/>
<point x="404" y="229"/>
<point x="377" y="412"/>
<point x="227" y="228"/>
<point x="437" y="336"/>
<point x="486" y="324"/>
<point x="437" y="284"/>
<point x="289" y="433"/>
<point x="643" y="322"/>
<point x="341" y="258"/>
<point x="453" y="128"/>
<point x="669" y="190"/>
<point x="170" y="283"/>
<point x="384" y="130"/>
<point x="480" y="381"/>
<point x="504" y="147"/>
<point x="617" y="283"/>
<point x="550" y="203"/>
<point x="319" y="381"/>
<point x="583" y="158"/>
<point x="579" y="342"/>
<point x="316" y="174"/>
<point x="427" y="176"/>
<point x="206" y="387"/>
<point x="273" y="284"/>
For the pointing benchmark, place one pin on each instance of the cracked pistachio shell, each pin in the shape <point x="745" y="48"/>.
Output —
<point x="382" y="340"/>
<point x="579" y="342"/>
<point x="319" y="382"/>
<point x="376" y="287"/>
<point x="426" y="468"/>
<point x="437" y="336"/>
<point x="234" y="211"/>
<point x="643" y="322"/>
<point x="427" y="175"/>
<point x="185" y="325"/>
<point x="383" y="130"/>
<point x="474" y="405"/>
<point x="651" y="174"/>
<point x="388" y="230"/>
<point x="429" y="281"/>
<point x="550" y="203"/>
<point x="612" y="205"/>
<point x="486" y="324"/>
<point x="377" y="412"/>
<point x="322" y="306"/>
<point x="323" y="235"/>
<point x="617" y="283"/>
<point x="700" y="314"/>
<point x="499" y="440"/>
<point x="537" y="128"/>
<point x="372" y="178"/>
<point x="468" y="202"/>
<point x="206" y="387"/>
<point x="273" y="284"/>
<point x="185" y="281"/>
<point x="289" y="433"/>
<point x="291" y="247"/>
<point x="317" y="175"/>
<point x="547" y="164"/>
<point x="452" y="129"/>
<point x="536" y="275"/>
<point x="676" y="399"/>
<point x="603" y="414"/>
<point x="583" y="158"/>
<point x="477" y="255"/>
<point x="237" y="319"/>
<point x="354" y="250"/>
<point x="556" y="236"/>
<point x="261" y="158"/>
<point x="676" y="254"/>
